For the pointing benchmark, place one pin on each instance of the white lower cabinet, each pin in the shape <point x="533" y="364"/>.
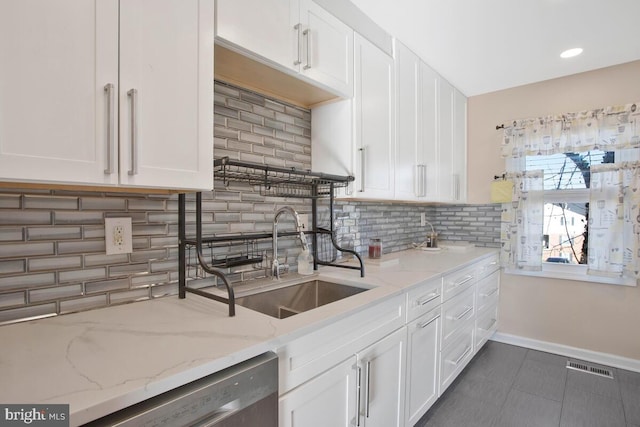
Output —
<point x="386" y="365"/>
<point x="327" y="400"/>
<point x="423" y="356"/>
<point x="382" y="368"/>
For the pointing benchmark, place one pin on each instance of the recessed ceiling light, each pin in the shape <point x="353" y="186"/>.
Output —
<point x="570" y="53"/>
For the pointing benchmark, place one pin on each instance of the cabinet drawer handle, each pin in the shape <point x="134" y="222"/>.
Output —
<point x="362" y="161"/>
<point x="133" y="96"/>
<point x="493" y="322"/>
<point x="462" y="356"/>
<point x="358" y="393"/>
<point x="298" y="60"/>
<point x="417" y="181"/>
<point x="462" y="282"/>
<point x="488" y="294"/>
<point x="307" y="33"/>
<point x="366" y="407"/>
<point x="428" y="322"/>
<point x="464" y="313"/>
<point x="428" y="299"/>
<point x="108" y="89"/>
<point x="456" y="190"/>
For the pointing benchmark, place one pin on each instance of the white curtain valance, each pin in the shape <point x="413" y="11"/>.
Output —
<point x="604" y="129"/>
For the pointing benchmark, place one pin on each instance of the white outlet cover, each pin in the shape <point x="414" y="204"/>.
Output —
<point x="126" y="244"/>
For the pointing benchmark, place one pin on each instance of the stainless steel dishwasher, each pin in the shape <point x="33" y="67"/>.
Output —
<point x="243" y="395"/>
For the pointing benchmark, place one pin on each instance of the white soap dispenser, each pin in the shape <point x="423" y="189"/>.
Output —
<point x="305" y="262"/>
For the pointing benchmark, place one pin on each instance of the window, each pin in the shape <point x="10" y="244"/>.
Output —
<point x="575" y="207"/>
<point x="566" y="180"/>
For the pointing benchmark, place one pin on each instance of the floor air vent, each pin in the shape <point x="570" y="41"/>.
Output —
<point x="583" y="367"/>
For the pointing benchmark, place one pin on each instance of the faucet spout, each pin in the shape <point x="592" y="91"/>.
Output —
<point x="275" y="265"/>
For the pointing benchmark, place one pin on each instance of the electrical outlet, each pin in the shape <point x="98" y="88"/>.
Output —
<point x="118" y="236"/>
<point x="304" y="221"/>
<point x="423" y="219"/>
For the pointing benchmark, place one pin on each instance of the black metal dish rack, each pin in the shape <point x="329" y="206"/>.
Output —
<point x="272" y="181"/>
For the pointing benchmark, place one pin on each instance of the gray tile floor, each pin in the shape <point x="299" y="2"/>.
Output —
<point x="509" y="386"/>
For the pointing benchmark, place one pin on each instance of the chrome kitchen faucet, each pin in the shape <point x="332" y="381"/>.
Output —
<point x="275" y="265"/>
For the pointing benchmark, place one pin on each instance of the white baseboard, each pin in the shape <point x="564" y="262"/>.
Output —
<point x="565" y="350"/>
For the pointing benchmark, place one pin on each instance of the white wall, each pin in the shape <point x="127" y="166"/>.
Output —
<point x="603" y="318"/>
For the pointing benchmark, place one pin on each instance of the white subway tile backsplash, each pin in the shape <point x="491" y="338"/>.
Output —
<point x="20" y="250"/>
<point x="10" y="201"/>
<point x="15" y="217"/>
<point x="84" y="303"/>
<point x="55" y="293"/>
<point x="55" y="263"/>
<point x="102" y="286"/>
<point x="53" y="233"/>
<point x="129" y="296"/>
<point x="12" y="266"/>
<point x="27" y="313"/>
<point x="82" y="217"/>
<point x="82" y="275"/>
<point x="27" y="281"/>
<point x="12" y="299"/>
<point x="81" y="247"/>
<point x="48" y="202"/>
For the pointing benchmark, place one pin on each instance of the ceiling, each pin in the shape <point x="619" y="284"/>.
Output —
<point x="483" y="46"/>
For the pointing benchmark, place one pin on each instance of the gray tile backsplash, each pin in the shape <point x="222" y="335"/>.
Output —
<point x="52" y="251"/>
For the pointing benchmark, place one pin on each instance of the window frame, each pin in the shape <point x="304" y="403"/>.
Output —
<point x="561" y="271"/>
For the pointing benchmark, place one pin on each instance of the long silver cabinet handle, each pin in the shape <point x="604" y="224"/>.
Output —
<point x="417" y="178"/>
<point x="463" y="281"/>
<point x="362" y="161"/>
<point x="358" y="395"/>
<point x="307" y="33"/>
<point x="133" y="96"/>
<point x="428" y="298"/>
<point x="108" y="89"/>
<point x="428" y="322"/>
<point x="366" y="408"/>
<point x="464" y="313"/>
<point x="488" y="294"/>
<point x="298" y="61"/>
<point x="462" y="356"/>
<point x="424" y="180"/>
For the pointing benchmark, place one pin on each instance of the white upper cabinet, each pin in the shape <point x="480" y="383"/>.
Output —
<point x="263" y="27"/>
<point x="374" y="130"/>
<point x="410" y="168"/>
<point x="459" y="166"/>
<point x="452" y="143"/>
<point x="57" y="58"/>
<point x="297" y="36"/>
<point x="431" y="133"/>
<point x="74" y="73"/>
<point x="357" y="136"/>
<point x="166" y="93"/>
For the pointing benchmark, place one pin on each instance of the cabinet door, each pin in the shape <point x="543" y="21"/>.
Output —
<point x="327" y="49"/>
<point x="57" y="57"/>
<point x="459" y="160"/>
<point x="429" y="126"/>
<point x="263" y="27"/>
<point x="166" y="93"/>
<point x="422" y="365"/>
<point x="383" y="367"/>
<point x="374" y="122"/>
<point x="445" y="142"/>
<point x="410" y="170"/>
<point x="327" y="400"/>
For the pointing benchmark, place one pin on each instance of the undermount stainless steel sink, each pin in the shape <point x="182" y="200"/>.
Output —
<point x="290" y="300"/>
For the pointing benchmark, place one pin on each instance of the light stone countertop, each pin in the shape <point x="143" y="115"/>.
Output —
<point x="103" y="360"/>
